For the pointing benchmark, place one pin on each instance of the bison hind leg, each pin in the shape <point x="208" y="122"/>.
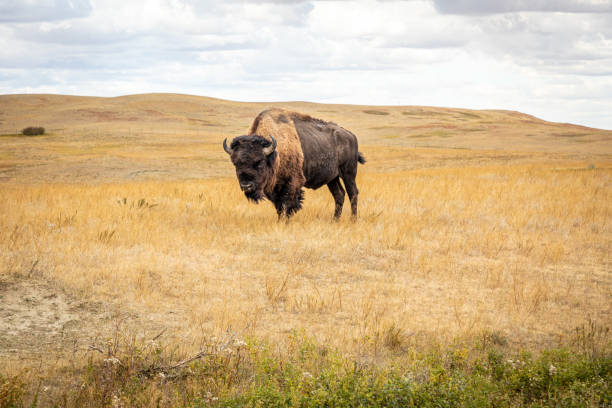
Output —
<point x="335" y="188"/>
<point x="353" y="193"/>
<point x="349" y="174"/>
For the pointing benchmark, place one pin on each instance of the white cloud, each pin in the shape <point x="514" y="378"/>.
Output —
<point x="505" y="54"/>
<point x="42" y="10"/>
<point x="508" y="6"/>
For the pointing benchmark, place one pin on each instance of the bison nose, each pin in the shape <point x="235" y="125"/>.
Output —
<point x="247" y="187"/>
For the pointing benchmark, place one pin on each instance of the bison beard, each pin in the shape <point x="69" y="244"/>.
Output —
<point x="285" y="151"/>
<point x="254" y="196"/>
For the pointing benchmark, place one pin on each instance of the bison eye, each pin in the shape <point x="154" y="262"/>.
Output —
<point x="257" y="164"/>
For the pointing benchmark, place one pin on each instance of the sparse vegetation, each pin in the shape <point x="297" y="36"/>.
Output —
<point x="469" y="115"/>
<point x="375" y="112"/>
<point x="235" y="373"/>
<point x="33" y="131"/>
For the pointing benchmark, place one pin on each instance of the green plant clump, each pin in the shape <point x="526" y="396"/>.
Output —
<point x="554" y="379"/>
<point x="375" y="112"/>
<point x="249" y="374"/>
<point x="33" y="131"/>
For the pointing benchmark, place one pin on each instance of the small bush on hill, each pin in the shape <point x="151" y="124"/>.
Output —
<point x="375" y="112"/>
<point x="33" y="131"/>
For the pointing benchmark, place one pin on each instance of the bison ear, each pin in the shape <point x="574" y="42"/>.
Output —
<point x="268" y="150"/>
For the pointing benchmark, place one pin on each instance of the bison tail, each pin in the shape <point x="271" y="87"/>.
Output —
<point x="360" y="158"/>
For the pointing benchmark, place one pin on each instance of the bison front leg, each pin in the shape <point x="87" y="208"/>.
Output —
<point x="278" y="197"/>
<point x="335" y="187"/>
<point x="279" y="209"/>
<point x="294" y="203"/>
<point x="286" y="202"/>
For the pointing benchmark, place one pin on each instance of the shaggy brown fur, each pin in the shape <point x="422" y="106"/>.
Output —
<point x="288" y="166"/>
<point x="309" y="153"/>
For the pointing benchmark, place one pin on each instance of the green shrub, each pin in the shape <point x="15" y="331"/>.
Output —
<point x="555" y="379"/>
<point x="375" y="112"/>
<point x="251" y="374"/>
<point x="33" y="131"/>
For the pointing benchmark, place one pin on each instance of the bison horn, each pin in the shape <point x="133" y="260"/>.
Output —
<point x="270" y="149"/>
<point x="227" y="149"/>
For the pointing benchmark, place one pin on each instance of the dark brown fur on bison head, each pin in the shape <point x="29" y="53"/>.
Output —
<point x="253" y="156"/>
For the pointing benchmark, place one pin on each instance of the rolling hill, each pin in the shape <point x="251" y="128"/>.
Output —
<point x="170" y="136"/>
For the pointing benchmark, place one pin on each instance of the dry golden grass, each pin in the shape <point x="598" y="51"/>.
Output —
<point x="450" y="243"/>
<point x="439" y="254"/>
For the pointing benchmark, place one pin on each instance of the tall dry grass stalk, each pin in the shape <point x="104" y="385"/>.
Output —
<point x="436" y="255"/>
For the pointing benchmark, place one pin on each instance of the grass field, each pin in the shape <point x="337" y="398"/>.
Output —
<point x="479" y="232"/>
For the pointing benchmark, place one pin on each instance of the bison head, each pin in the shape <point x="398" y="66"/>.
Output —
<point x="253" y="156"/>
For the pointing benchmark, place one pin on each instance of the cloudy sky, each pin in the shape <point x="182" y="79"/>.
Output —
<point x="549" y="58"/>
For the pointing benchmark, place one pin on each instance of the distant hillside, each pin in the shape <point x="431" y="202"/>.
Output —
<point x="178" y="137"/>
<point x="213" y="119"/>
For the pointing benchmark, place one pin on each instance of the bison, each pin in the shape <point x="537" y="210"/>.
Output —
<point x="285" y="151"/>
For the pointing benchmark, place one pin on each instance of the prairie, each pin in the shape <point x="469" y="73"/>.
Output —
<point x="472" y="225"/>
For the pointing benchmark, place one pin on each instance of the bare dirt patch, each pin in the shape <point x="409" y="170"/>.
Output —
<point x="41" y="320"/>
<point x="37" y="318"/>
